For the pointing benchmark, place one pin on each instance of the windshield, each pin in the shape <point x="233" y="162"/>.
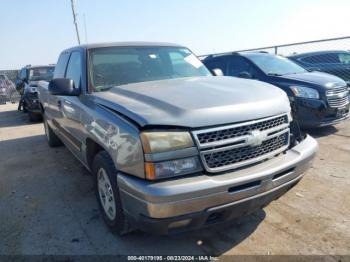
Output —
<point x="41" y="73"/>
<point x="344" y="58"/>
<point x="275" y="65"/>
<point x="113" y="66"/>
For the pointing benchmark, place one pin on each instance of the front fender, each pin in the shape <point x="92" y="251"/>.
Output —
<point x="118" y="137"/>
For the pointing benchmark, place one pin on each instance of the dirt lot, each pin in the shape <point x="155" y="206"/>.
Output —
<point x="47" y="205"/>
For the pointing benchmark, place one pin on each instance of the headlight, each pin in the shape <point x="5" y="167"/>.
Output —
<point x="172" y="168"/>
<point x="302" y="91"/>
<point x="33" y="89"/>
<point x="157" y="142"/>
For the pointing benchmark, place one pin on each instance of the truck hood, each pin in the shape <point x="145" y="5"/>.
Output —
<point x="317" y="78"/>
<point x="194" y="102"/>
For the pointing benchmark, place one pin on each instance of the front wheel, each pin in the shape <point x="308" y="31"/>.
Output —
<point x="33" y="117"/>
<point x="25" y="109"/>
<point x="107" y="193"/>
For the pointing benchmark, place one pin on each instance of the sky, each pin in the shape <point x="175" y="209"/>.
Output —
<point x="36" y="31"/>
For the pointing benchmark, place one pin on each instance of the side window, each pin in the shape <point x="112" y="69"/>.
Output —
<point x="322" y="59"/>
<point x="216" y="63"/>
<point x="74" y="69"/>
<point x="309" y="60"/>
<point x="238" y="65"/>
<point x="61" y="66"/>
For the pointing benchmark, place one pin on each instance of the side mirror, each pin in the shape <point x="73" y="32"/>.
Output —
<point x="63" y="87"/>
<point x="217" y="72"/>
<point x="245" y="75"/>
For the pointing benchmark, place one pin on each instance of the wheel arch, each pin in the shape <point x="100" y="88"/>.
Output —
<point x="92" y="149"/>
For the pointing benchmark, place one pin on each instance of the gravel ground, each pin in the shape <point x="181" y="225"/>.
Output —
<point x="47" y="205"/>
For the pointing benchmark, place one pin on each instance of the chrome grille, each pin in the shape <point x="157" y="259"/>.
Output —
<point x="234" y="146"/>
<point x="229" y="157"/>
<point x="338" y="97"/>
<point x="338" y="102"/>
<point x="218" y="135"/>
<point x="337" y="90"/>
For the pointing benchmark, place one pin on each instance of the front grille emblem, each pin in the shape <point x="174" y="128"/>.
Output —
<point x="256" y="138"/>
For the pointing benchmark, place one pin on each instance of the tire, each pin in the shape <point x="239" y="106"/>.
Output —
<point x="52" y="139"/>
<point x="25" y="110"/>
<point x="107" y="193"/>
<point x="33" y="117"/>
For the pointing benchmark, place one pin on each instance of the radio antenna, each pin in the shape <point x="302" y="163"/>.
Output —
<point x="75" y="20"/>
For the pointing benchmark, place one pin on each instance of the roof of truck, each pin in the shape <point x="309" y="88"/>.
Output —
<point x="123" y="44"/>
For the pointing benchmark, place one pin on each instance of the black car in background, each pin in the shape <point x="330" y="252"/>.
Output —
<point x="27" y="83"/>
<point x="332" y="62"/>
<point x="317" y="99"/>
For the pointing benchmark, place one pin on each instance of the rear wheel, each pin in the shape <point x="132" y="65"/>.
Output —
<point x="107" y="193"/>
<point x="52" y="139"/>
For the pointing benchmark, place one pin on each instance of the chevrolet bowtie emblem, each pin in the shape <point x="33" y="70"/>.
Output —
<point x="256" y="137"/>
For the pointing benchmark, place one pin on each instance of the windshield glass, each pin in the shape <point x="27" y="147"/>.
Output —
<point x="344" y="58"/>
<point x="113" y="66"/>
<point x="275" y="65"/>
<point x="41" y="73"/>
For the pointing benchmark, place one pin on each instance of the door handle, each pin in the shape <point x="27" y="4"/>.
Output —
<point x="59" y="103"/>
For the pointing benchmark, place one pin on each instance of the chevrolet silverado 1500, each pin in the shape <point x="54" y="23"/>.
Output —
<point x="171" y="147"/>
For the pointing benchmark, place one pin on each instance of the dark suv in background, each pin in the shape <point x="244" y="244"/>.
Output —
<point x="317" y="99"/>
<point x="332" y="62"/>
<point x="27" y="83"/>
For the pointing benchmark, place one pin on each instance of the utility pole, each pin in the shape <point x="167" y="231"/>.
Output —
<point x="75" y="19"/>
